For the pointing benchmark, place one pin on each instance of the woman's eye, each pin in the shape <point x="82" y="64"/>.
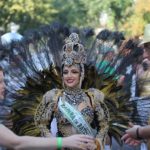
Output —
<point x="75" y="72"/>
<point x="65" y="72"/>
<point x="71" y="71"/>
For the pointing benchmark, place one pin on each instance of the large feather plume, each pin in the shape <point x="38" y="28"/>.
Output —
<point x="34" y="67"/>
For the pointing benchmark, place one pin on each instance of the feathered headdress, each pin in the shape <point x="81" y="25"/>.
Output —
<point x="73" y="51"/>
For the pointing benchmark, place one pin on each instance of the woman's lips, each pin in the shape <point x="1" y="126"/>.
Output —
<point x="70" y="81"/>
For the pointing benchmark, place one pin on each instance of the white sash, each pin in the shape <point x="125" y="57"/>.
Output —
<point x="75" y="118"/>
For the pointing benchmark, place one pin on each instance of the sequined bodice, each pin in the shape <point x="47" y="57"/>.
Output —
<point x="89" y="106"/>
<point x="80" y="101"/>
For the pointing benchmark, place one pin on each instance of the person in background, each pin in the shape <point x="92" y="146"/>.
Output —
<point x="76" y="110"/>
<point x="136" y="133"/>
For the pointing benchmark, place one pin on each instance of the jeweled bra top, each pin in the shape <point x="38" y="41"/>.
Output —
<point x="80" y="100"/>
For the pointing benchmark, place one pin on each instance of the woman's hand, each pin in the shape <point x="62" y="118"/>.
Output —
<point x="82" y="142"/>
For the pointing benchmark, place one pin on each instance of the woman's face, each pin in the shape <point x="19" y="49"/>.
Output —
<point x="71" y="76"/>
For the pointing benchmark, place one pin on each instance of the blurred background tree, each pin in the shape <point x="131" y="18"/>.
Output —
<point x="125" y="15"/>
<point x="27" y="13"/>
<point x="140" y="16"/>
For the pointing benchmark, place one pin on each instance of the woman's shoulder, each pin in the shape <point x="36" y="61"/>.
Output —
<point x="52" y="94"/>
<point x="97" y="94"/>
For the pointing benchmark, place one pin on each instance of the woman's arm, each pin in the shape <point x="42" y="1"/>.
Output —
<point x="43" y="114"/>
<point x="10" y="140"/>
<point x="102" y="115"/>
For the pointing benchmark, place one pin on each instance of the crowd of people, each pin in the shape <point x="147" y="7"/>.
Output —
<point x="82" y="115"/>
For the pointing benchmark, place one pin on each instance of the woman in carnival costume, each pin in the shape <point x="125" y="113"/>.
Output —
<point x="10" y="140"/>
<point x="76" y="110"/>
<point x="40" y="69"/>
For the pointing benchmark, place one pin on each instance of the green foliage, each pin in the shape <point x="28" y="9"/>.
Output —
<point x="121" y="10"/>
<point x="26" y="13"/>
<point x="140" y="16"/>
<point x="33" y="13"/>
<point x="70" y="12"/>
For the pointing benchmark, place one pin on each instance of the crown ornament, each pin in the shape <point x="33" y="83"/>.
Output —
<point x="73" y="51"/>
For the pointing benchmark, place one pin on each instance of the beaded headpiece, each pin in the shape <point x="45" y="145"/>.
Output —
<point x="74" y="54"/>
<point x="73" y="51"/>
